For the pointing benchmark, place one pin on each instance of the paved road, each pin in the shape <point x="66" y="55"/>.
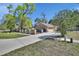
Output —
<point x="8" y="45"/>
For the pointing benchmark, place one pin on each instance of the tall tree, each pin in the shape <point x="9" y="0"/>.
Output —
<point x="66" y="20"/>
<point x="22" y="11"/>
<point x="9" y="19"/>
<point x="42" y="19"/>
<point x="38" y="20"/>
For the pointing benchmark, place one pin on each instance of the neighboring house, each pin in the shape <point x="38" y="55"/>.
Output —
<point x="44" y="27"/>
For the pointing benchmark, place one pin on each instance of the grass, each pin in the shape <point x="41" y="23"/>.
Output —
<point x="47" y="48"/>
<point x="11" y="35"/>
<point x="73" y="34"/>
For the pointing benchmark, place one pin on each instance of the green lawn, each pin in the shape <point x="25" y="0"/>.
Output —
<point x="47" y="48"/>
<point x="8" y="35"/>
<point x="73" y="34"/>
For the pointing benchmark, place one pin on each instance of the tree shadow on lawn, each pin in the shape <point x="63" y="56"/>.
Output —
<point x="51" y="37"/>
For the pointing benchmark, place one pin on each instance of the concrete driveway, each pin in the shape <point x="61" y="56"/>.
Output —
<point x="7" y="45"/>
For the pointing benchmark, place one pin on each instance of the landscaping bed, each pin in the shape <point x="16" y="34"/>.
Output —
<point x="47" y="48"/>
<point x="7" y="35"/>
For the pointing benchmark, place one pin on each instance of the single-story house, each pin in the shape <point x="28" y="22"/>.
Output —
<point x="44" y="27"/>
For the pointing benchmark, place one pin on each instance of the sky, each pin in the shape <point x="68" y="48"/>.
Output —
<point x="49" y="9"/>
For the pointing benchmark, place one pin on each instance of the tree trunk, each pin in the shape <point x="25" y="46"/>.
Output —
<point x="10" y="30"/>
<point x="64" y="38"/>
<point x="21" y="29"/>
<point x="24" y="30"/>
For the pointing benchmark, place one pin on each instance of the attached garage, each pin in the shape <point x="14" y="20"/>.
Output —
<point x="44" y="27"/>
